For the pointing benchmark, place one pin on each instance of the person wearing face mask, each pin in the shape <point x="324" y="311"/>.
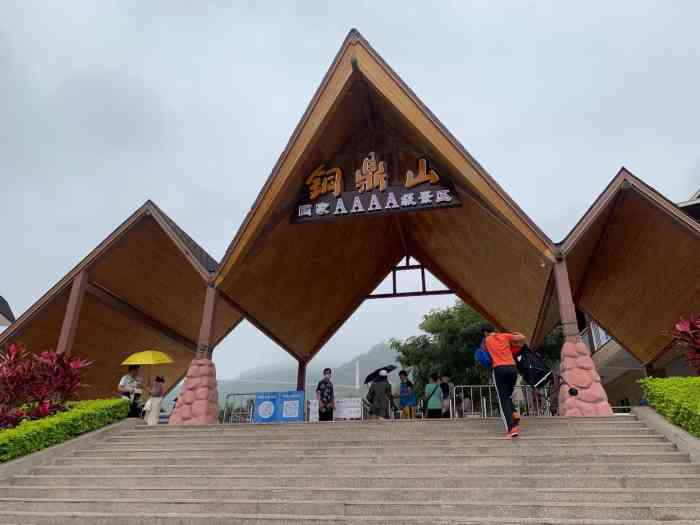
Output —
<point x="325" y="397"/>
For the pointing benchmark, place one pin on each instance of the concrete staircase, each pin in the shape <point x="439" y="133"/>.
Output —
<point x="560" y="471"/>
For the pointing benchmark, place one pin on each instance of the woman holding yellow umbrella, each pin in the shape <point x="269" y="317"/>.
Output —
<point x="157" y="390"/>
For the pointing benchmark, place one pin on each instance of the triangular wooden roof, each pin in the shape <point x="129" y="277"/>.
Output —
<point x="357" y="78"/>
<point x="633" y="265"/>
<point x="146" y="287"/>
<point x="357" y="54"/>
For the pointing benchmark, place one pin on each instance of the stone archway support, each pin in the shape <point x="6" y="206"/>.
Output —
<point x="581" y="393"/>
<point x="198" y="402"/>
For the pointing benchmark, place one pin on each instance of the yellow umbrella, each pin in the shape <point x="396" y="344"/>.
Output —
<point x="148" y="357"/>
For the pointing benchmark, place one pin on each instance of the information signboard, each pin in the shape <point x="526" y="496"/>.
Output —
<point x="291" y="406"/>
<point x="348" y="408"/>
<point x="266" y="407"/>
<point x="345" y="408"/>
<point x="279" y="407"/>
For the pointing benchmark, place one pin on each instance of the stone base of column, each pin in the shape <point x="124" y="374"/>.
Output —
<point x="198" y="402"/>
<point x="578" y="371"/>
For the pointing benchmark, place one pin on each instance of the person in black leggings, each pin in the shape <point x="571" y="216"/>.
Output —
<point x="504" y="372"/>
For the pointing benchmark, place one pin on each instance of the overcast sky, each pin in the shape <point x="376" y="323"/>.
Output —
<point x="106" y="104"/>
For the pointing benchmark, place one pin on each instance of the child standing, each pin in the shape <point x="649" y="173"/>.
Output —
<point x="407" y="396"/>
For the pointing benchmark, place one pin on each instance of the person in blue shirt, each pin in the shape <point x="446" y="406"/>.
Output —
<point x="407" y="396"/>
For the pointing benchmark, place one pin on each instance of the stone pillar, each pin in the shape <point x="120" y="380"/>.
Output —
<point x="301" y="376"/>
<point x="581" y="393"/>
<point x="198" y="402"/>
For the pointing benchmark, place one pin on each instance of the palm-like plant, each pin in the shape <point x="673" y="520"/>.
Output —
<point x="686" y="334"/>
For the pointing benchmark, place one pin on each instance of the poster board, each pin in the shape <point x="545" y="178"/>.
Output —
<point x="345" y="408"/>
<point x="279" y="407"/>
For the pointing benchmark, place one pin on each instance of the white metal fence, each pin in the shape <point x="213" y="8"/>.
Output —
<point x="482" y="401"/>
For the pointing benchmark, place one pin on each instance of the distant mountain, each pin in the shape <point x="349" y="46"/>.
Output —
<point x="275" y="378"/>
<point x="284" y="377"/>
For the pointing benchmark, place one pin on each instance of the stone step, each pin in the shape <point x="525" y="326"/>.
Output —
<point x="391" y="480"/>
<point x="442" y="423"/>
<point x="443" y="509"/>
<point x="666" y="496"/>
<point x="616" y="419"/>
<point x="376" y="468"/>
<point x="393" y="426"/>
<point x="101" y="518"/>
<point x="392" y="439"/>
<point x="504" y="447"/>
<point x="406" y="459"/>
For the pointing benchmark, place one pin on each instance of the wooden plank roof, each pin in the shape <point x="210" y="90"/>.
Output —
<point x="634" y="263"/>
<point x="300" y="283"/>
<point x="146" y="287"/>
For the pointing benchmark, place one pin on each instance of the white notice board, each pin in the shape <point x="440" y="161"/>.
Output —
<point x="345" y="408"/>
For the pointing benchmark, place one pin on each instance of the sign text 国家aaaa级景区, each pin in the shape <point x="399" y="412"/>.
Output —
<point x="324" y="196"/>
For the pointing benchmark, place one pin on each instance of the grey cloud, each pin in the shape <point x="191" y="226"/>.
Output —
<point x="103" y="105"/>
<point x="113" y="111"/>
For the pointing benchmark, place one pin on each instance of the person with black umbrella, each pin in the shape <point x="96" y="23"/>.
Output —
<point x="380" y="397"/>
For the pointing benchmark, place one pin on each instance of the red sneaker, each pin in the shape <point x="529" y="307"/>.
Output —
<point x="514" y="432"/>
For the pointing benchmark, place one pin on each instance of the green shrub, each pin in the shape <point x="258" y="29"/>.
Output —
<point x="81" y="417"/>
<point x="677" y="399"/>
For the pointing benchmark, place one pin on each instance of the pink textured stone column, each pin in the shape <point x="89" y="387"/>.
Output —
<point x="198" y="402"/>
<point x="578" y="370"/>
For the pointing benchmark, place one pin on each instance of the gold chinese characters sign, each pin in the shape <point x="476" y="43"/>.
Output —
<point x="324" y="196"/>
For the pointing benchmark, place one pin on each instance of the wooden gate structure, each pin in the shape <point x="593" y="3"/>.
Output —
<point x="370" y="177"/>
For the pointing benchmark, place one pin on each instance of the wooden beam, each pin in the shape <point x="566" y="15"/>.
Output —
<point x="301" y="376"/>
<point x="119" y="305"/>
<point x="206" y="328"/>
<point x="567" y="309"/>
<point x="72" y="315"/>
<point x="409" y="294"/>
<point x="542" y="314"/>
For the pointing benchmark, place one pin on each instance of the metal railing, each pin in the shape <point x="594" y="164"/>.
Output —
<point x="482" y="401"/>
<point x="239" y="408"/>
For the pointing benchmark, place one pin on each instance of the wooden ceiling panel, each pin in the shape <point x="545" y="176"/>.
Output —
<point x="146" y="269"/>
<point x="645" y="275"/>
<point x="107" y="337"/>
<point x="492" y="267"/>
<point x="307" y="278"/>
<point x="40" y="333"/>
<point x="583" y="252"/>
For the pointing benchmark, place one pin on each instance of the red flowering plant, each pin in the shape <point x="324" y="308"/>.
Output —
<point x="687" y="336"/>
<point x="34" y="386"/>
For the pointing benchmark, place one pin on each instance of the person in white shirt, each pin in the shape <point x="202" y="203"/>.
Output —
<point x="130" y="387"/>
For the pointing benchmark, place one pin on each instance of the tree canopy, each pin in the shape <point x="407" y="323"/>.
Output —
<point x="447" y="347"/>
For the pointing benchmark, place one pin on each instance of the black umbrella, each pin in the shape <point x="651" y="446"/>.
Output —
<point x="375" y="375"/>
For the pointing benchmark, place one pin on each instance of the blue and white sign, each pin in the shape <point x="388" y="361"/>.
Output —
<point x="291" y="406"/>
<point x="266" y="407"/>
<point x="279" y="407"/>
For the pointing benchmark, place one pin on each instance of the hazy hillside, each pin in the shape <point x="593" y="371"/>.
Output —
<point x="272" y="378"/>
<point x="283" y="377"/>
